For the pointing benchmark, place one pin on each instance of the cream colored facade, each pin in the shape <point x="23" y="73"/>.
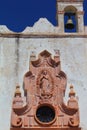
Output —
<point x="15" y="51"/>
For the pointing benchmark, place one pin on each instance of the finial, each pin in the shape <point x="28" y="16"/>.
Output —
<point x="57" y="52"/>
<point x="33" y="56"/>
<point x="71" y="86"/>
<point x="17" y="91"/>
<point x="72" y="92"/>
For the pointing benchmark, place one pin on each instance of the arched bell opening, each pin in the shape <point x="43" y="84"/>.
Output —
<point x="70" y="19"/>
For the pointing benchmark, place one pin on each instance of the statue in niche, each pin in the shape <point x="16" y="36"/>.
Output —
<point x="45" y="84"/>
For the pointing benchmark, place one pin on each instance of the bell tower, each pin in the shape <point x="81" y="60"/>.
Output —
<point x="70" y="15"/>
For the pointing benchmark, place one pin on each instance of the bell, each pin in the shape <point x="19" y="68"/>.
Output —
<point x="69" y="24"/>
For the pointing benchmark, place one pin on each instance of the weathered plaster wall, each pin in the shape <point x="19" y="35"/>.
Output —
<point x="15" y="51"/>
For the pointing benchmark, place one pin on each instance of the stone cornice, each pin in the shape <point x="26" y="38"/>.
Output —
<point x="44" y="35"/>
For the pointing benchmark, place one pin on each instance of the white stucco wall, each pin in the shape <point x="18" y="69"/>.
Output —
<point x="14" y="62"/>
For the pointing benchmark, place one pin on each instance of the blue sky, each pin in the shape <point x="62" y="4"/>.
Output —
<point x="17" y="14"/>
